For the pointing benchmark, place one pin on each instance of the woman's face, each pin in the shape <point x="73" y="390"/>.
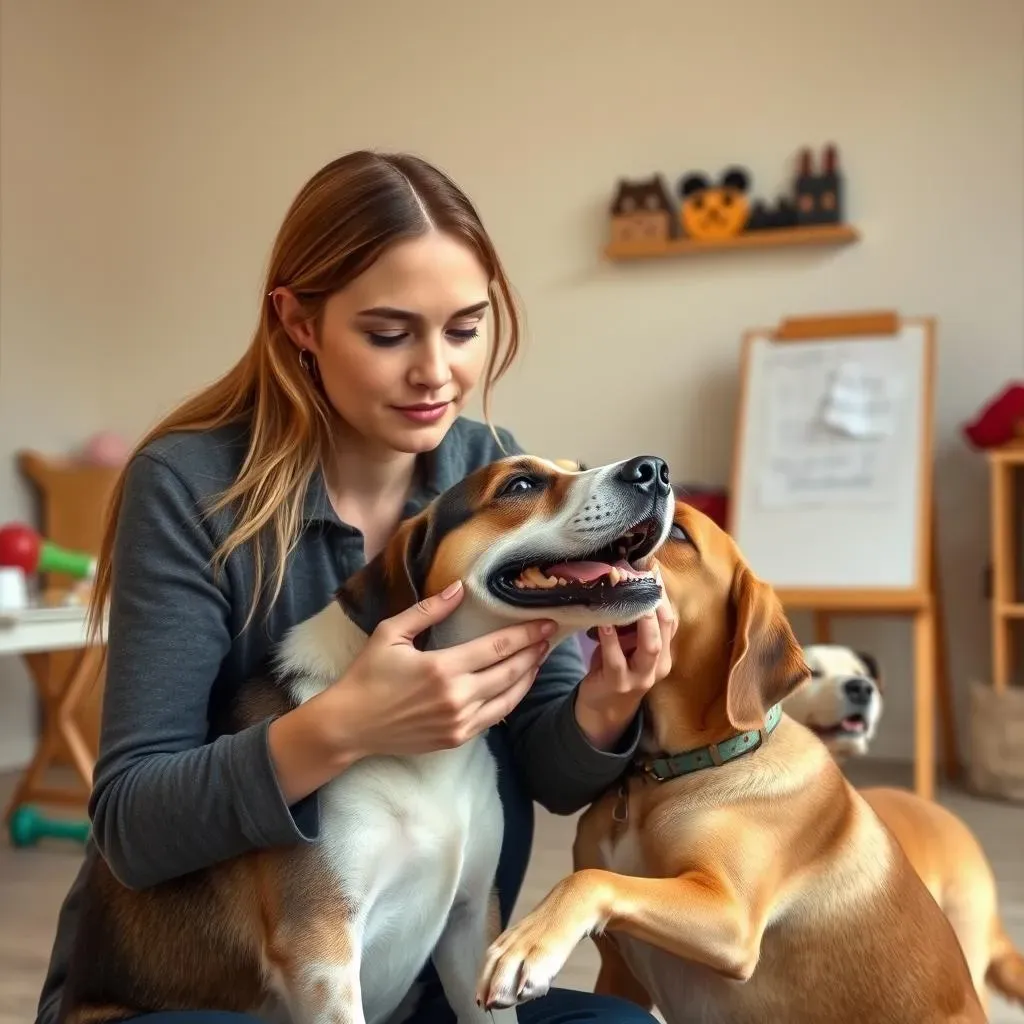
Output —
<point x="401" y="347"/>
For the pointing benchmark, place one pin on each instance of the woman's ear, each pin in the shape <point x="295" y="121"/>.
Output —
<point x="767" y="662"/>
<point x="296" y="321"/>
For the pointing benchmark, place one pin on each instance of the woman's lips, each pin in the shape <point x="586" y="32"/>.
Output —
<point x="424" y="412"/>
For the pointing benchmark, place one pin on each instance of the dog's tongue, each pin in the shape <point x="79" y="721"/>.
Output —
<point x="853" y="724"/>
<point x="587" y="572"/>
<point x="581" y="572"/>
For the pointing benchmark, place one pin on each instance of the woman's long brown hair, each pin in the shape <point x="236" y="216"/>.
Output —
<point x="341" y="221"/>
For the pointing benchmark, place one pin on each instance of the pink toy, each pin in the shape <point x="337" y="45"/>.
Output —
<point x="105" y="449"/>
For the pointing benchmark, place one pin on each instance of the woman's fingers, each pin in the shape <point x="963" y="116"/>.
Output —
<point x="494" y="710"/>
<point x="408" y="624"/>
<point x="492" y="682"/>
<point x="613" y="659"/>
<point x="648" y="646"/>
<point x="494" y="648"/>
<point x="667" y="623"/>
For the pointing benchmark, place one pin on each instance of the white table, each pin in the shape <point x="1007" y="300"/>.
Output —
<point x="44" y="630"/>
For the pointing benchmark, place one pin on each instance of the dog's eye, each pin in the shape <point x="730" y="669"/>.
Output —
<point x="519" y="485"/>
<point x="816" y="673"/>
<point x="678" y="533"/>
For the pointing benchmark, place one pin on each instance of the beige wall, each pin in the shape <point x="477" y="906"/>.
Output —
<point x="149" y="150"/>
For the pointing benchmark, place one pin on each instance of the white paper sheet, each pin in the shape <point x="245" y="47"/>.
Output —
<point x="831" y="425"/>
<point x="861" y="401"/>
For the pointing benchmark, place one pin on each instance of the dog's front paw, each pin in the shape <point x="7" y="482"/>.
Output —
<point x="522" y="963"/>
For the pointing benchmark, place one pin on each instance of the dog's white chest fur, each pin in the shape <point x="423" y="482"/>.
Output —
<point x="412" y="842"/>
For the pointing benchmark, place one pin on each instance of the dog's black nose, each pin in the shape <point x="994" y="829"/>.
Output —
<point x="648" y="474"/>
<point x="858" y="691"/>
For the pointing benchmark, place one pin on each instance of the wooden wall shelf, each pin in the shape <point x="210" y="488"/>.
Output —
<point x="825" y="234"/>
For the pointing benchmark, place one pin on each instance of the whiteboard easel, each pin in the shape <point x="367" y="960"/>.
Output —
<point x="834" y="507"/>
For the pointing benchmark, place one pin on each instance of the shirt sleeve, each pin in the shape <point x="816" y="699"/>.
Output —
<point x="167" y="800"/>
<point x="562" y="769"/>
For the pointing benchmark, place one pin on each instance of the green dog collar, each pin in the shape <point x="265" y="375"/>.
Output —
<point x="664" y="768"/>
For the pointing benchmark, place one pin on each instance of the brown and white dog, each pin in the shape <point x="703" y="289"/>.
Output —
<point x="405" y="867"/>
<point x="737" y="877"/>
<point x="842" y="703"/>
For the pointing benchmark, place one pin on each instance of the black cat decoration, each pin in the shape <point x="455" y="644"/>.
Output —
<point x="818" y="197"/>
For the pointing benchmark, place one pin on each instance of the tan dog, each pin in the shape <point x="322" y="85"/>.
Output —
<point x="842" y="704"/>
<point x="759" y="889"/>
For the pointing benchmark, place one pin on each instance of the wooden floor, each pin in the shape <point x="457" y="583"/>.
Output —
<point x="33" y="883"/>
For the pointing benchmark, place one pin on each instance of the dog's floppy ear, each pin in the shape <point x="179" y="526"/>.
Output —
<point x="870" y="662"/>
<point x="394" y="580"/>
<point x="767" y="663"/>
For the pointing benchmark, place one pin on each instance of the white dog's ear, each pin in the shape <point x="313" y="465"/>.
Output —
<point x="870" y="662"/>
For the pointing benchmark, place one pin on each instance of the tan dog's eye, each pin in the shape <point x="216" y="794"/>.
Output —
<point x="677" y="533"/>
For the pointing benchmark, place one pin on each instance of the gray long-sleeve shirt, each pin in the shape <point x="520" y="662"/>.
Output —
<point x="169" y="796"/>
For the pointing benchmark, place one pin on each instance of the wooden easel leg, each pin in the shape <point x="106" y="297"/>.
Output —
<point x="924" y="703"/>
<point x="947" y="710"/>
<point x="822" y="628"/>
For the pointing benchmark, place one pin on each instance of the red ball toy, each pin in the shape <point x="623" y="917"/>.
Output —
<point x="23" y="548"/>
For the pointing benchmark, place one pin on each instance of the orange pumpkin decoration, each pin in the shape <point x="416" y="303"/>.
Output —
<point x="714" y="212"/>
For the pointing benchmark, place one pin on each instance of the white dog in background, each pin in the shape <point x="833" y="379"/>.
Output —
<point x="842" y="704"/>
<point x="842" y="701"/>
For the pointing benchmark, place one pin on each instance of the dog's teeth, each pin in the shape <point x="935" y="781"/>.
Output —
<point x="622" y="551"/>
<point x="562" y="582"/>
<point x="614" y="576"/>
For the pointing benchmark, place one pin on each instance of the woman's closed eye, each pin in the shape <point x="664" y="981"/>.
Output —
<point x="390" y="338"/>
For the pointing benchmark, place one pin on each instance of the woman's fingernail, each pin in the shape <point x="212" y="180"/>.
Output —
<point x="607" y="630"/>
<point x="451" y="590"/>
<point x="547" y="628"/>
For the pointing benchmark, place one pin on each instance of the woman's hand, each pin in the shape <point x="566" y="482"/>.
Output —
<point x="395" y="699"/>
<point x="610" y="694"/>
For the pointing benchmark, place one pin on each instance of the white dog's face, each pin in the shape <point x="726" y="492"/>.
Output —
<point x="842" y="701"/>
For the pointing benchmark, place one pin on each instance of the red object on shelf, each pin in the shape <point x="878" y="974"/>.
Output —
<point x="1000" y="421"/>
<point x="712" y="501"/>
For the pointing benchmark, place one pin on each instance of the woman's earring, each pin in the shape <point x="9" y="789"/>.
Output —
<point x="308" y="362"/>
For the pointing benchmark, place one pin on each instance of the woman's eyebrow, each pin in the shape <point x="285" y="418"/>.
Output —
<point x="390" y="313"/>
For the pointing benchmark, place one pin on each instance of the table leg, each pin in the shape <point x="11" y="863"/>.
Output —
<point x="59" y="709"/>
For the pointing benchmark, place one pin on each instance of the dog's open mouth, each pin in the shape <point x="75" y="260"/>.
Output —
<point x="852" y="725"/>
<point x="610" y="575"/>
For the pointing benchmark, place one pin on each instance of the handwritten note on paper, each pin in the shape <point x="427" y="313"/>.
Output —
<point x="832" y="427"/>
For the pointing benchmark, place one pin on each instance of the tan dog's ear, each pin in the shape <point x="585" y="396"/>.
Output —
<point x="767" y="662"/>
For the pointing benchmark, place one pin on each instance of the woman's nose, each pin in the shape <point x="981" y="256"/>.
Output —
<point x="431" y="368"/>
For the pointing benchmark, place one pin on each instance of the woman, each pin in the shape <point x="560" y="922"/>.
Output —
<point x="384" y="305"/>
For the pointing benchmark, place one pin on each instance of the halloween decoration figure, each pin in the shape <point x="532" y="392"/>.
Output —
<point x="764" y="217"/>
<point x="713" y="212"/>
<point x="818" y="197"/>
<point x="642" y="212"/>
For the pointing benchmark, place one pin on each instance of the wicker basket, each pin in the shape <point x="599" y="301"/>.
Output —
<point x="997" y="742"/>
